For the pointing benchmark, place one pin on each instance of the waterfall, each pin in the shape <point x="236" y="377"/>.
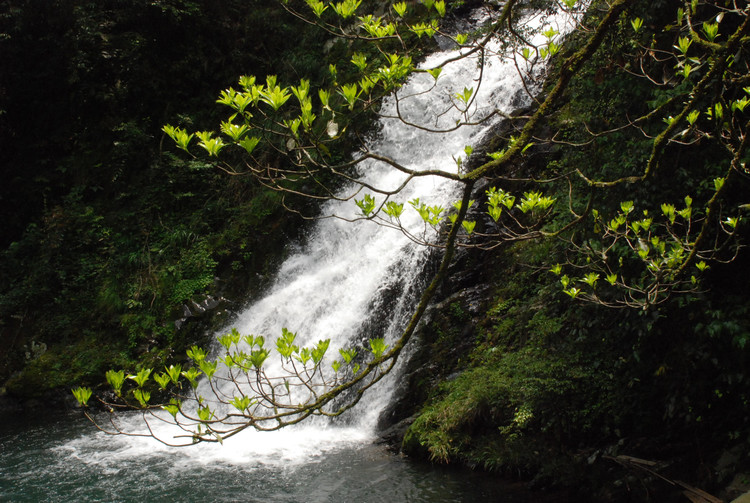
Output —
<point x="348" y="278"/>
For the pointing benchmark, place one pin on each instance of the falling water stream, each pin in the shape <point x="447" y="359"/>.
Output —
<point x="340" y="279"/>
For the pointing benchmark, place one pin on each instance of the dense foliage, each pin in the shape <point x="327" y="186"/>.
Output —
<point x="105" y="236"/>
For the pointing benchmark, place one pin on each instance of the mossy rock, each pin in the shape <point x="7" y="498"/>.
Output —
<point x="62" y="367"/>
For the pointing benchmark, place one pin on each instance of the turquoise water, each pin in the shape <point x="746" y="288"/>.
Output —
<point x="62" y="458"/>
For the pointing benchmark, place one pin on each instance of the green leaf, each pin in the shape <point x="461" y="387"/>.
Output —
<point x="209" y="143"/>
<point x="142" y="396"/>
<point x="347" y="8"/>
<point x="317" y="7"/>
<point x="466" y="95"/>
<point x="273" y="94"/>
<point x="572" y="292"/>
<point x="564" y="280"/>
<point x="249" y="143"/>
<point x="241" y="404"/>
<point x="440" y="7"/>
<point x="197" y="354"/>
<point x="350" y="94"/>
<point x="359" y="60"/>
<point x="393" y="209"/>
<point x="162" y="380"/>
<point x="683" y="44"/>
<point x="348" y="355"/>
<point x="208" y="368"/>
<point x="366" y="205"/>
<point x="591" y="279"/>
<point x="141" y="377"/>
<point x="319" y="350"/>
<point x="173" y="408"/>
<point x="82" y="395"/>
<point x="192" y="375"/>
<point x="378" y="347"/>
<point x="116" y="380"/>
<point x="258" y="357"/>
<point x="180" y="136"/>
<point x="205" y="413"/>
<point x="711" y="30"/>
<point x="400" y="8"/>
<point x="435" y="72"/>
<point x="174" y="373"/>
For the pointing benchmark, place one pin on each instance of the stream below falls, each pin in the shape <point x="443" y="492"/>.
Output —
<point x="43" y="459"/>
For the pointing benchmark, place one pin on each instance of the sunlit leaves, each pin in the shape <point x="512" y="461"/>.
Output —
<point x="285" y="344"/>
<point x="440" y="7"/>
<point x="348" y="355"/>
<point x="172" y="408"/>
<point x="317" y="7"/>
<point x="241" y="403"/>
<point x="249" y="143"/>
<point x="466" y="95"/>
<point x="192" y="375"/>
<point x="179" y="135"/>
<point x="209" y="143"/>
<point x="141" y="377"/>
<point x="350" y="92"/>
<point x="196" y="353"/>
<point x="400" y="8"/>
<point x="319" y="351"/>
<point x="162" y="380"/>
<point x="535" y="201"/>
<point x="208" y="367"/>
<point x="393" y="209"/>
<point x="234" y="131"/>
<point x="683" y="44"/>
<point x="142" y="396"/>
<point x="375" y="27"/>
<point x="378" y="347"/>
<point x="431" y="215"/>
<point x="590" y="279"/>
<point x="637" y="24"/>
<point x="273" y="94"/>
<point x="435" y="72"/>
<point x="740" y="104"/>
<point x="347" y="8"/>
<point x="424" y="29"/>
<point x="366" y="204"/>
<point x="360" y="61"/>
<point x="258" y="357"/>
<point x="116" y="380"/>
<point x="711" y="30"/>
<point x="82" y="395"/>
<point x="496" y="200"/>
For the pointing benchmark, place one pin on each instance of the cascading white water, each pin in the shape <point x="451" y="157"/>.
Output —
<point x="346" y="272"/>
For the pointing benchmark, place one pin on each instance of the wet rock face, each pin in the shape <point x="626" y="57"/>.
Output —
<point x="194" y="309"/>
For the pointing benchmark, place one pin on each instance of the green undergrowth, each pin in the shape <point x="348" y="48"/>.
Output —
<point x="538" y="387"/>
